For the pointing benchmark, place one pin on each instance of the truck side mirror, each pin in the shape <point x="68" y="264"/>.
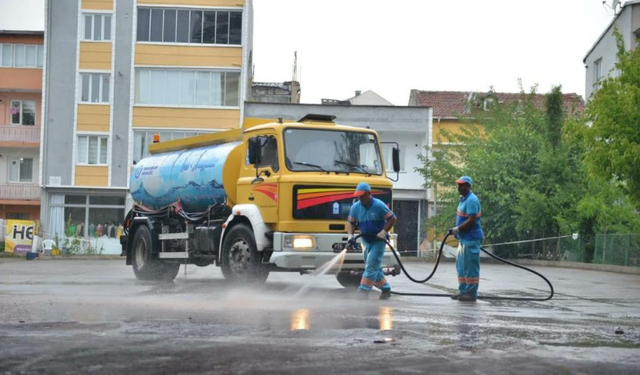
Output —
<point x="254" y="151"/>
<point x="396" y="159"/>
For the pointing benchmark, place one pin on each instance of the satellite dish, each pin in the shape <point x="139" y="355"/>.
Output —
<point x="615" y="4"/>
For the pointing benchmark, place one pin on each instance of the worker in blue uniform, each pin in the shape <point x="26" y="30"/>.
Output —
<point x="469" y="233"/>
<point x="375" y="220"/>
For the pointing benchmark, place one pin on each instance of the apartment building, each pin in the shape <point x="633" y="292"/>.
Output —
<point x="601" y="58"/>
<point x="21" y="61"/>
<point x="118" y="72"/>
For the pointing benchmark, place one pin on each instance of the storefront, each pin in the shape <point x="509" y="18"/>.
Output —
<point x="85" y="222"/>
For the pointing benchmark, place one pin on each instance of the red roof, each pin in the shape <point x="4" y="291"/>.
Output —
<point x="453" y="104"/>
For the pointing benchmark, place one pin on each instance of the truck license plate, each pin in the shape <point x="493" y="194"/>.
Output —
<point x="339" y="246"/>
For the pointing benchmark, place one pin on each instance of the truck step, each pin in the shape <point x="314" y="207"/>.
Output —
<point x="174" y="255"/>
<point x="173" y="236"/>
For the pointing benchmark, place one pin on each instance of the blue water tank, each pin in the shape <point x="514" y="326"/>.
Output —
<point x="193" y="176"/>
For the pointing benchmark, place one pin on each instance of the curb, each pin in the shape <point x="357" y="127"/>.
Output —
<point x="62" y="257"/>
<point x="542" y="263"/>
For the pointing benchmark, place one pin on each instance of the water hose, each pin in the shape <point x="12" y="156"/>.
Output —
<point x="437" y="262"/>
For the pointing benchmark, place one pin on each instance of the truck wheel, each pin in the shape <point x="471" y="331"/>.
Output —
<point x="241" y="262"/>
<point x="145" y="267"/>
<point x="348" y="280"/>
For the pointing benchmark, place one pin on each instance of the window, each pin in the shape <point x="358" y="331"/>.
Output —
<point x="23" y="112"/>
<point x="222" y="27"/>
<point x="143" y="138"/>
<point x="333" y="151"/>
<point x="144" y="18"/>
<point x="235" y="28"/>
<point x="597" y="70"/>
<point x="6" y="54"/>
<point x="92" y="150"/>
<point x="94" y="88"/>
<point x="487" y="104"/>
<point x="387" y="149"/>
<point x="20" y="170"/>
<point x="183" y="26"/>
<point x="21" y="55"/>
<point x="175" y="87"/>
<point x="268" y="153"/>
<point x="96" y="221"/>
<point x="196" y="27"/>
<point x="97" y="27"/>
<point x="18" y="55"/>
<point x="156" y="25"/>
<point x="18" y="216"/>
<point x="189" y="26"/>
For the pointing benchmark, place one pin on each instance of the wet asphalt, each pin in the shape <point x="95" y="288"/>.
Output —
<point x="94" y="317"/>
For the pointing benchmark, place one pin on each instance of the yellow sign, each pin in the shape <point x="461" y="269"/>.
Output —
<point x="19" y="236"/>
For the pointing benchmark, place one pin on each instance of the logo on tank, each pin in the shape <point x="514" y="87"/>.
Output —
<point x="138" y="172"/>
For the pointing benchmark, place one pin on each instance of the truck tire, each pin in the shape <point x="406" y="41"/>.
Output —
<point x="241" y="261"/>
<point x="145" y="266"/>
<point x="348" y="280"/>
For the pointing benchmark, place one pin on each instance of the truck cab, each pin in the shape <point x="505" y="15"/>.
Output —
<point x="289" y="188"/>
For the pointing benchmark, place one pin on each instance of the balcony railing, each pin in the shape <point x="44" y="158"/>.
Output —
<point x="20" y="192"/>
<point x="20" y="133"/>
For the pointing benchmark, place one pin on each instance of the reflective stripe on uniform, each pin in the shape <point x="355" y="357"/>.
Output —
<point x="381" y="283"/>
<point x="367" y="282"/>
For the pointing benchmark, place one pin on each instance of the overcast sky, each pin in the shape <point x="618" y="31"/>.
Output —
<point x="391" y="47"/>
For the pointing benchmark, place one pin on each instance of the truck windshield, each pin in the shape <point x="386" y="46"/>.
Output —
<point x="331" y="151"/>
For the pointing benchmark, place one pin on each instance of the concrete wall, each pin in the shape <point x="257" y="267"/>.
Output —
<point x="635" y="23"/>
<point x="121" y="95"/>
<point x="61" y="89"/>
<point x="606" y="49"/>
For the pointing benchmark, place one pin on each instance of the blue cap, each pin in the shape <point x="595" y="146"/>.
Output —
<point x="464" y="180"/>
<point x="362" y="188"/>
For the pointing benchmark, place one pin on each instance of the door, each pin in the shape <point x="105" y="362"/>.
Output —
<point x="259" y="182"/>
<point x="407" y="226"/>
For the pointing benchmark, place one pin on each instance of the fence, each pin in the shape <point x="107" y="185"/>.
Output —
<point x="20" y="192"/>
<point x="617" y="249"/>
<point x="24" y="134"/>
<point x="563" y="248"/>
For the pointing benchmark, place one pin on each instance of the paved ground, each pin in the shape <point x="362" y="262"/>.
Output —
<point x="84" y="316"/>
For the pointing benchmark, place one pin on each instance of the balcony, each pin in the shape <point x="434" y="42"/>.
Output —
<point x="20" y="192"/>
<point x="19" y="136"/>
<point x="26" y="80"/>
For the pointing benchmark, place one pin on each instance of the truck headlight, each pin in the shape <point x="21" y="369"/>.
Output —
<point x="299" y="242"/>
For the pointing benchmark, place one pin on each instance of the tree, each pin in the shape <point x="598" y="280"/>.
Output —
<point x="613" y="140"/>
<point x="529" y="172"/>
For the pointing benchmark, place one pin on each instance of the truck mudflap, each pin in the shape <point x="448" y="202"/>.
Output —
<point x="308" y="251"/>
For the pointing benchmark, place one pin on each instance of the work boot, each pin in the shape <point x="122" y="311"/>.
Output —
<point x="362" y="294"/>
<point x="386" y="294"/>
<point x="455" y="296"/>
<point x="467" y="298"/>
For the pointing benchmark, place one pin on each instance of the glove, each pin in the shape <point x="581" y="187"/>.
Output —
<point x="455" y="231"/>
<point x="351" y="241"/>
<point x="382" y="235"/>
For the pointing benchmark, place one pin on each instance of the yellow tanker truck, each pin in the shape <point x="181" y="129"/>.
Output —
<point x="267" y="198"/>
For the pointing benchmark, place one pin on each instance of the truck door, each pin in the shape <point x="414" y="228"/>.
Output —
<point x="259" y="183"/>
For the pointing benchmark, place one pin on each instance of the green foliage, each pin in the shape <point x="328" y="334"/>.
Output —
<point x="613" y="140"/>
<point x="2" y="247"/>
<point x="529" y="173"/>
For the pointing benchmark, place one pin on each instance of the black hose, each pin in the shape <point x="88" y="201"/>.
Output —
<point x="437" y="262"/>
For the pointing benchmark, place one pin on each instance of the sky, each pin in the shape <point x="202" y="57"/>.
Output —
<point x="391" y="47"/>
